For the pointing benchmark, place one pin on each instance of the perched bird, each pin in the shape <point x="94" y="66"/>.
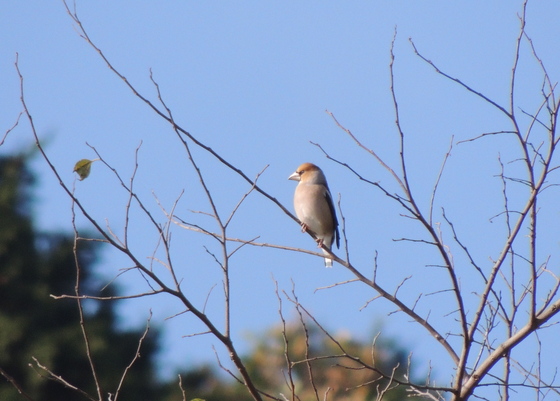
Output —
<point x="314" y="206"/>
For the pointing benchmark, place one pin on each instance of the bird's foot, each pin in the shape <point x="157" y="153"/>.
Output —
<point x="304" y="227"/>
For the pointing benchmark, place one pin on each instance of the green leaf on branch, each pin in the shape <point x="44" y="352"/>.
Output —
<point x="83" y="168"/>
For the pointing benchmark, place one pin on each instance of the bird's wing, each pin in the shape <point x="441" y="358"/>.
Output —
<point x="328" y="198"/>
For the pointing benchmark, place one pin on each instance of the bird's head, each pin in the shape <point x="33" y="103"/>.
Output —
<point x="308" y="173"/>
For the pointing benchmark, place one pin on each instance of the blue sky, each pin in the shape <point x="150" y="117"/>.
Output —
<point x="253" y="80"/>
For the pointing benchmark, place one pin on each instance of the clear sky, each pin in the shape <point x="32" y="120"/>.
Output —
<point x="253" y="80"/>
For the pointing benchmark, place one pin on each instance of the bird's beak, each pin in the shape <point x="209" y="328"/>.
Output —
<point x="295" y="176"/>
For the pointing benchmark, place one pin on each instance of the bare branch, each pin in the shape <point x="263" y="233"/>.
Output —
<point x="52" y="376"/>
<point x="13" y="126"/>
<point x="430" y="214"/>
<point x="80" y="308"/>
<point x="457" y="80"/>
<point x="15" y="384"/>
<point x="135" y="358"/>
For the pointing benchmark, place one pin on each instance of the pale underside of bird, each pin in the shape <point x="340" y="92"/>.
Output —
<point x="314" y="206"/>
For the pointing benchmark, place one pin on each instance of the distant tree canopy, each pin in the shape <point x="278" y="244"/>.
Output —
<point x="345" y="378"/>
<point x="341" y="378"/>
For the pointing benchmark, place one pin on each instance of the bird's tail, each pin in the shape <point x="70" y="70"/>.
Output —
<point x="328" y="261"/>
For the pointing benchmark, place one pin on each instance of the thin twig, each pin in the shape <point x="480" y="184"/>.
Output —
<point x="13" y="126"/>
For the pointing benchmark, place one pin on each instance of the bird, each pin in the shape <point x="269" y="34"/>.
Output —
<point x="314" y="206"/>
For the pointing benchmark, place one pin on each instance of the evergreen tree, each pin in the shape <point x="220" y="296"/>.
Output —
<point x="34" y="265"/>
